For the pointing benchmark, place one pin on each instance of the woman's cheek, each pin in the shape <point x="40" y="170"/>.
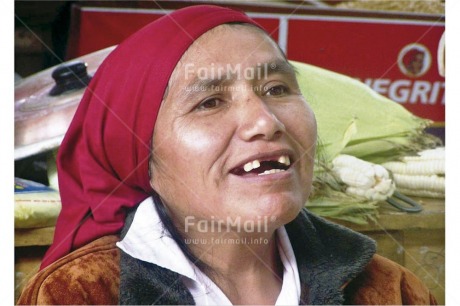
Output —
<point x="198" y="139"/>
<point x="300" y="123"/>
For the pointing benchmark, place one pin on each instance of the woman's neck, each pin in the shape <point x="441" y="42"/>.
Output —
<point x="247" y="268"/>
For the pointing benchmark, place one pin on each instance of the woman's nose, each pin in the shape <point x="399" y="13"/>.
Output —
<point x="258" y="121"/>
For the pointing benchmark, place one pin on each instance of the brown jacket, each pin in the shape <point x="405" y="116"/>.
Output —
<point x="329" y="269"/>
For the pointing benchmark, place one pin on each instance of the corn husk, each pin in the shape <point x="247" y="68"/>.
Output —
<point x="391" y="147"/>
<point x="332" y="202"/>
<point x="355" y="120"/>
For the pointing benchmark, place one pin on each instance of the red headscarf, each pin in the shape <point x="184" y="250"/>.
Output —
<point x="103" y="159"/>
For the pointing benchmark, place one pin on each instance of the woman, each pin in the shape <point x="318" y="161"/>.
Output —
<point x="198" y="124"/>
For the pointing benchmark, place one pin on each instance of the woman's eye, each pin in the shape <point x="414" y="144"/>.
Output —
<point x="210" y="103"/>
<point x="277" y="90"/>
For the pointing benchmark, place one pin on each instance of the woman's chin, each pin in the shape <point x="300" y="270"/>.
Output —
<point x="277" y="211"/>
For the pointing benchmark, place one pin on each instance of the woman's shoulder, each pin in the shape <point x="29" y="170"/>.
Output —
<point x="386" y="282"/>
<point x="92" y="271"/>
<point x="348" y="256"/>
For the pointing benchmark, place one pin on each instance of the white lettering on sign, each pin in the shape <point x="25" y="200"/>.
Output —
<point x="408" y="91"/>
<point x="400" y="91"/>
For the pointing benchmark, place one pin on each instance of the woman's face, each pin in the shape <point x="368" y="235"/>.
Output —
<point x="234" y="136"/>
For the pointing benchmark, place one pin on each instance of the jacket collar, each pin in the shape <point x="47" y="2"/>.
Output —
<point x="328" y="257"/>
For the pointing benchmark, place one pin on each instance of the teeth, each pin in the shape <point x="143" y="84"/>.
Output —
<point x="248" y="167"/>
<point x="271" y="171"/>
<point x="251" y="165"/>
<point x="284" y="159"/>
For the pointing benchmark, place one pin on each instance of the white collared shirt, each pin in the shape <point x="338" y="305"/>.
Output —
<point x="147" y="240"/>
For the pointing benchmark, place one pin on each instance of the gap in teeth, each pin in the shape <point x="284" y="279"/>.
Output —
<point x="283" y="159"/>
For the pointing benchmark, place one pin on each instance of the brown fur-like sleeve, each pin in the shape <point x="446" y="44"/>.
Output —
<point x="89" y="275"/>
<point x="384" y="282"/>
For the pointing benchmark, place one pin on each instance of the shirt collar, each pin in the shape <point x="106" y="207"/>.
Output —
<point x="149" y="241"/>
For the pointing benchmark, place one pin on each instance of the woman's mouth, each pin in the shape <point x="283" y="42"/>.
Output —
<point x="263" y="166"/>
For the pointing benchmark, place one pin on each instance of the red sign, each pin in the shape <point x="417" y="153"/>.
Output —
<point x="396" y="56"/>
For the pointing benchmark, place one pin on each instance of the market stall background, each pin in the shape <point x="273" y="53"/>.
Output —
<point x="354" y="43"/>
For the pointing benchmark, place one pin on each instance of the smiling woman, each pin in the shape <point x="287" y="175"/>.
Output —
<point x="194" y="140"/>
<point x="238" y="143"/>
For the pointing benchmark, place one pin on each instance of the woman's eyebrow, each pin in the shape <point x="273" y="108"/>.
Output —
<point x="281" y="67"/>
<point x="204" y="84"/>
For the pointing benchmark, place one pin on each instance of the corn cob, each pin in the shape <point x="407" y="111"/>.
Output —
<point x="362" y="178"/>
<point x="420" y="182"/>
<point x="433" y="154"/>
<point x="420" y="175"/>
<point x="417" y="167"/>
